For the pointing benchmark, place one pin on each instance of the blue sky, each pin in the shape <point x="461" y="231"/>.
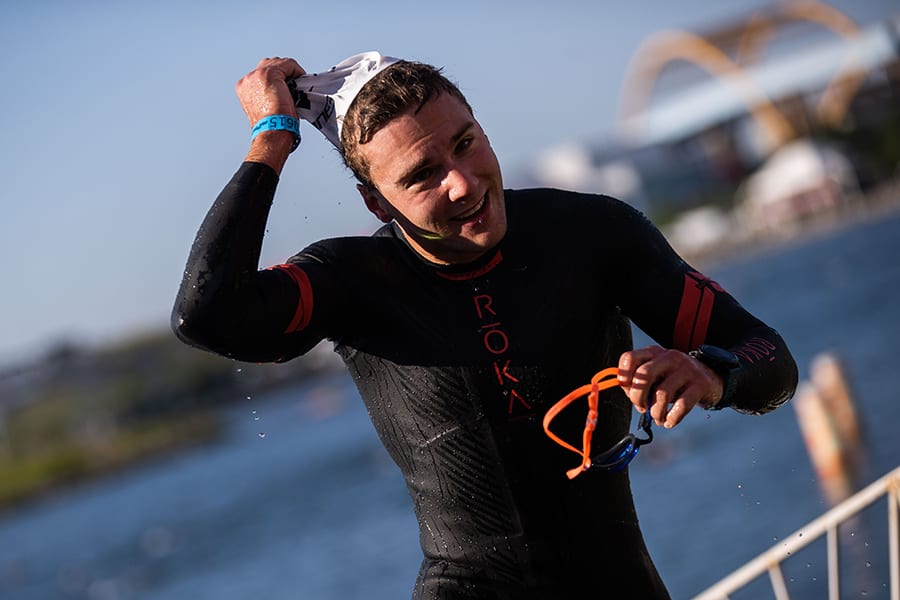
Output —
<point x="120" y="125"/>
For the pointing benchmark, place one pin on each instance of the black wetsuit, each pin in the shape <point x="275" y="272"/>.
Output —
<point x="457" y="366"/>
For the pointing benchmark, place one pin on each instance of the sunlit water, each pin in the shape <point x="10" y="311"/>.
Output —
<point x="300" y="501"/>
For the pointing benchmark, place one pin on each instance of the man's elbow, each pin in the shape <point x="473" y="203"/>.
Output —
<point x="191" y="330"/>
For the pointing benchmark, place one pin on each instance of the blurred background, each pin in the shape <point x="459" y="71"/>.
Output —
<point x="762" y="138"/>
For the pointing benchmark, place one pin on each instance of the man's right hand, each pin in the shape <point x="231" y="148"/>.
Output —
<point x="263" y="92"/>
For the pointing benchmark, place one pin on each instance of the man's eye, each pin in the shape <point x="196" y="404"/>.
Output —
<point x="421" y="175"/>
<point x="464" y="144"/>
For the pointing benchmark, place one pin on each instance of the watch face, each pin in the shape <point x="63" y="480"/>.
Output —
<point x="718" y="355"/>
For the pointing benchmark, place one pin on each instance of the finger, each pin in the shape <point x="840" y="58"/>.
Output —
<point x="679" y="382"/>
<point x="677" y="413"/>
<point x="272" y="71"/>
<point x="687" y="399"/>
<point x="631" y="360"/>
<point x="666" y="391"/>
<point x="696" y="391"/>
<point x="290" y="67"/>
<point x="643" y="382"/>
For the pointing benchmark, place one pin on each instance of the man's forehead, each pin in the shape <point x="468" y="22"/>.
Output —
<point x="416" y="134"/>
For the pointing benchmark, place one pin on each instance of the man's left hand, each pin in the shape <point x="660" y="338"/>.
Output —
<point x="668" y="383"/>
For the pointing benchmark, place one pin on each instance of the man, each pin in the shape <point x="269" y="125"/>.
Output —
<point x="466" y="317"/>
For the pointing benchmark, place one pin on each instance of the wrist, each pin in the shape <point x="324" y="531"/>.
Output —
<point x="272" y="149"/>
<point x="274" y="123"/>
<point x="726" y="366"/>
<point x="713" y="404"/>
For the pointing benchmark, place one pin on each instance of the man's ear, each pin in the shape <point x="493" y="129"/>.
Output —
<point x="375" y="202"/>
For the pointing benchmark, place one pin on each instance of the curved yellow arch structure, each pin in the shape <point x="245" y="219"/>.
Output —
<point x="664" y="47"/>
<point x="840" y="91"/>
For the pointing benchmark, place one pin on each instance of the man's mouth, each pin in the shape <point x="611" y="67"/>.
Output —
<point x="472" y="212"/>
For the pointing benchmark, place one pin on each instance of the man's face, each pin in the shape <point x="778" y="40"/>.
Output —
<point x="436" y="174"/>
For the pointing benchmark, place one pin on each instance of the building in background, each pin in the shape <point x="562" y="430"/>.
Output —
<point x="751" y="128"/>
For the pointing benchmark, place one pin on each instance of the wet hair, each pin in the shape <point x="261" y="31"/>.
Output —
<point x="389" y="94"/>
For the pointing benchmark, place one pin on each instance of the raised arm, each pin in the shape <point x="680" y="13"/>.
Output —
<point x="225" y="304"/>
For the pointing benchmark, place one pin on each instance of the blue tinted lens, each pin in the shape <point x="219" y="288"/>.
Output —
<point x="618" y="457"/>
<point x="625" y="460"/>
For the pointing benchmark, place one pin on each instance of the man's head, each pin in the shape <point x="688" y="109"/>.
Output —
<point x="422" y="160"/>
<point x="401" y="86"/>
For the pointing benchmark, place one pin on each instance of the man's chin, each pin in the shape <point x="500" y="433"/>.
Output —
<point x="461" y="251"/>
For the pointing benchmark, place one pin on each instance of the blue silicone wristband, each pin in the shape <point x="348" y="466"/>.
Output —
<point x="278" y="123"/>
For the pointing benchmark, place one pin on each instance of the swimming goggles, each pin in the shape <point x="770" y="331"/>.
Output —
<point x="623" y="452"/>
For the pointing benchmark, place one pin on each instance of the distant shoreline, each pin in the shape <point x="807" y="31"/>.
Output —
<point x="882" y="202"/>
<point x="81" y="414"/>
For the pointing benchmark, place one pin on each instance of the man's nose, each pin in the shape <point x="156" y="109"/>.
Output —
<point x="460" y="183"/>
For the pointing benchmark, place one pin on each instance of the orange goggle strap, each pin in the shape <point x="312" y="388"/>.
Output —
<point x="603" y="380"/>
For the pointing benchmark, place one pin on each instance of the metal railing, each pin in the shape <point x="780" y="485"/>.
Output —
<point x="770" y="560"/>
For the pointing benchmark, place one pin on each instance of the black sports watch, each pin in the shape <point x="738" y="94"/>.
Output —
<point x="726" y="364"/>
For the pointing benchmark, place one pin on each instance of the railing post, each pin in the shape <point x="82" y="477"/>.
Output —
<point x="778" y="584"/>
<point x="893" y="497"/>
<point x="834" y="564"/>
<point x="827" y="524"/>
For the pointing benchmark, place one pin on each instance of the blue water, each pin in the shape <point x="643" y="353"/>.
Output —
<point x="300" y="501"/>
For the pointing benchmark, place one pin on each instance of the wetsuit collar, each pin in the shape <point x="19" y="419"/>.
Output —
<point x="470" y="270"/>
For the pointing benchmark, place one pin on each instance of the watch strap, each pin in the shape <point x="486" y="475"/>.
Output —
<point x="725" y="364"/>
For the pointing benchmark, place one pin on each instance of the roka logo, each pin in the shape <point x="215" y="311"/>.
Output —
<point x="496" y="342"/>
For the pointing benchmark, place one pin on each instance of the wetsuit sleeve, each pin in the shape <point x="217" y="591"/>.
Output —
<point x="225" y="303"/>
<point x="681" y="308"/>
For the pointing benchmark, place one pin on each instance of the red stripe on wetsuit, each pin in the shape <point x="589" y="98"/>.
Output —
<point x="303" y="313"/>
<point x="695" y="311"/>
